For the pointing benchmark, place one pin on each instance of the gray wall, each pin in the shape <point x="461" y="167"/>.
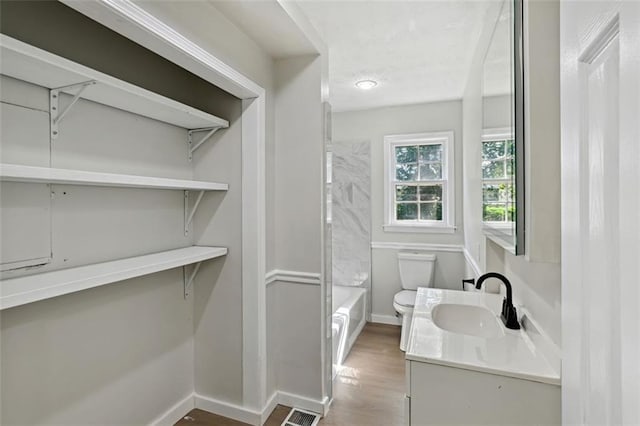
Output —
<point x="373" y="125"/>
<point x="295" y="324"/>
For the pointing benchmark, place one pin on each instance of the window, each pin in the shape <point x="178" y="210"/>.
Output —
<point x="498" y="174"/>
<point x="419" y="188"/>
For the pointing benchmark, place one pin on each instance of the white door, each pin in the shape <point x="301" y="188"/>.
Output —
<point x="600" y="48"/>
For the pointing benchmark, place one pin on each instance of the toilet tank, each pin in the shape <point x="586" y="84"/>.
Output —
<point x="416" y="269"/>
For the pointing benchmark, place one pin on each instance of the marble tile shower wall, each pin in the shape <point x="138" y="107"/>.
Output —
<point x="351" y="213"/>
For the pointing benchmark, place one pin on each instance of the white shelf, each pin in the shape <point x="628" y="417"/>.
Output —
<point x="23" y="290"/>
<point x="25" y="62"/>
<point x="31" y="174"/>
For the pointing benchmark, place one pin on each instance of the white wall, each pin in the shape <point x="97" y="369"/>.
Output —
<point x="295" y="317"/>
<point x="372" y="125"/>
<point x="298" y="167"/>
<point x="535" y="276"/>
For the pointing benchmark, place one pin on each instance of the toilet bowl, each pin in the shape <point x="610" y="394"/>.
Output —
<point x="416" y="270"/>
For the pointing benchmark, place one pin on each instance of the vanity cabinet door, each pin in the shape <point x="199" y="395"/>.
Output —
<point x="454" y="396"/>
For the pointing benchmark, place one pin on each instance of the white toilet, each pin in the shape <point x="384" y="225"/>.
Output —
<point x="416" y="270"/>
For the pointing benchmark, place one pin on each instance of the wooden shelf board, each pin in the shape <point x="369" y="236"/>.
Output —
<point x="31" y="174"/>
<point x="29" y="289"/>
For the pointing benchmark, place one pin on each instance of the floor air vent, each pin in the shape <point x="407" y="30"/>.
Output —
<point x="299" y="417"/>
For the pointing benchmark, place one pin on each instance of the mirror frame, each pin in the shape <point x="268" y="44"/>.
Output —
<point x="495" y="234"/>
<point x="519" y="120"/>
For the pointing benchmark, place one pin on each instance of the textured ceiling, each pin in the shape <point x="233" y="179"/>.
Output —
<point x="418" y="51"/>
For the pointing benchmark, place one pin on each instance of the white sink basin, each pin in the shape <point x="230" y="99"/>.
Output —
<point x="466" y="319"/>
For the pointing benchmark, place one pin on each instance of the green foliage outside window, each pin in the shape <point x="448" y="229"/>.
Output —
<point x="498" y="189"/>
<point x="420" y="166"/>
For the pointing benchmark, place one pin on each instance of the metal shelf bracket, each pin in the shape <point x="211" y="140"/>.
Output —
<point x="195" y="145"/>
<point x="189" y="213"/>
<point x="187" y="279"/>
<point x="54" y="101"/>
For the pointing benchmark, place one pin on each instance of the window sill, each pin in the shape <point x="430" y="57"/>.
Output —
<point x="425" y="229"/>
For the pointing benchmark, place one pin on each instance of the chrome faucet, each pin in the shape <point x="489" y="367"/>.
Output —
<point x="509" y="315"/>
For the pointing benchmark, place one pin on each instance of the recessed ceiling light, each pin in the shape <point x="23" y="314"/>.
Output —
<point x="366" y="84"/>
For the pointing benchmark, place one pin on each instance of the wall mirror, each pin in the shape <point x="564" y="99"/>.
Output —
<point x="503" y="210"/>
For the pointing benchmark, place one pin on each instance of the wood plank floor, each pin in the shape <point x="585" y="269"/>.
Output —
<point x="369" y="389"/>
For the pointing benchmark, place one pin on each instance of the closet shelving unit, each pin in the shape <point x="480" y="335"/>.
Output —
<point x="25" y="62"/>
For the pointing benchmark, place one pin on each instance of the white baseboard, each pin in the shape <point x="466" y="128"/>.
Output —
<point x="291" y="400"/>
<point x="176" y="412"/>
<point x="237" y="412"/>
<point x="386" y="319"/>
<point x="269" y="407"/>
<point x="226" y="409"/>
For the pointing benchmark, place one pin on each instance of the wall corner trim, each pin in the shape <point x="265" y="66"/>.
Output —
<point x="297" y="277"/>
<point x="472" y="263"/>
<point x="456" y="248"/>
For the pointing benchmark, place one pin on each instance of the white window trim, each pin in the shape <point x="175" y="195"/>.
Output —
<point x="497" y="134"/>
<point x="448" y="208"/>
<point x="488" y="135"/>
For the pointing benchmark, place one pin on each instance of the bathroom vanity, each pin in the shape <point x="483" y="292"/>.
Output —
<point x="464" y="367"/>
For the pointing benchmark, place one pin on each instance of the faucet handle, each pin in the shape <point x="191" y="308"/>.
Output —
<point x="509" y="315"/>
<point x="471" y="281"/>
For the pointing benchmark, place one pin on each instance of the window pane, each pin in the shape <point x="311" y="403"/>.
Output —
<point x="431" y="152"/>
<point x="430" y="171"/>
<point x="406" y="154"/>
<point x="490" y="193"/>
<point x="511" y="148"/>
<point x="511" y="212"/>
<point x="406" y="211"/>
<point x="511" y="167"/>
<point x="509" y="192"/>
<point x="406" y="171"/>
<point x="406" y="193"/>
<point x="493" y="212"/>
<point x="431" y="193"/>
<point x="497" y="192"/>
<point x="493" y="169"/>
<point x="431" y="211"/>
<point x="492" y="150"/>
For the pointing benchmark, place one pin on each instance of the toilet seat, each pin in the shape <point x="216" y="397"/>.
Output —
<point x="405" y="298"/>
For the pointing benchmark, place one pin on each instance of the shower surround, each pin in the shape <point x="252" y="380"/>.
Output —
<point x="351" y="215"/>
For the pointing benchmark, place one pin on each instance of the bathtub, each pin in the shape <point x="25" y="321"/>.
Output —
<point x="349" y="310"/>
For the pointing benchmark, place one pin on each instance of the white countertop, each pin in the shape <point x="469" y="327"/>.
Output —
<point x="513" y="354"/>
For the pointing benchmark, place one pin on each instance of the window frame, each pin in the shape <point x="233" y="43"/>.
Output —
<point x="447" y="224"/>
<point x="494" y="135"/>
